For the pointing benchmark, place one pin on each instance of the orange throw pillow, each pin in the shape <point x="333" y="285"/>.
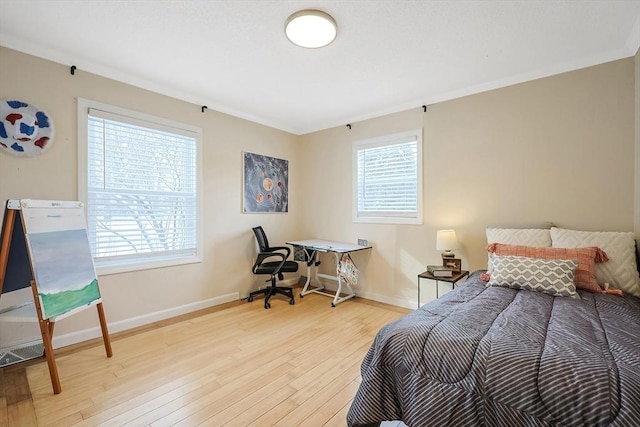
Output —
<point x="585" y="277"/>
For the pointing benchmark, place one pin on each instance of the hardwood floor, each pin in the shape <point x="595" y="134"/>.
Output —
<point x="236" y="365"/>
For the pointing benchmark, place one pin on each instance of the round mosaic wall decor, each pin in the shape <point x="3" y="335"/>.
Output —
<point x="25" y="130"/>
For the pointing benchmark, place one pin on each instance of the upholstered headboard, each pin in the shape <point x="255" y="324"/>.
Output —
<point x="622" y="270"/>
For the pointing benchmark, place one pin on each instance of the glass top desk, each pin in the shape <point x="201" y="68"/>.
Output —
<point x="312" y="248"/>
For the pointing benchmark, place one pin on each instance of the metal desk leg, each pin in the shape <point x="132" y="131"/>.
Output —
<point x="337" y="298"/>
<point x="319" y="290"/>
<point x="312" y="262"/>
<point x="351" y="294"/>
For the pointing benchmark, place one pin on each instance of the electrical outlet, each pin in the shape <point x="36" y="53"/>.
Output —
<point x="363" y="242"/>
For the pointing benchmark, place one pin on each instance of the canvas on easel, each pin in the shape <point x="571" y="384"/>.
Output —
<point x="60" y="256"/>
<point x="64" y="278"/>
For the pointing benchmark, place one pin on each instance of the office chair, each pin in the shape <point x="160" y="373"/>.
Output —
<point x="271" y="260"/>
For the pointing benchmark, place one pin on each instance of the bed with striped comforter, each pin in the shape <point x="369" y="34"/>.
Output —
<point x="502" y="357"/>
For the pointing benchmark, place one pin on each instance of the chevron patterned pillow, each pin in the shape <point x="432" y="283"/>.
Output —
<point x="551" y="276"/>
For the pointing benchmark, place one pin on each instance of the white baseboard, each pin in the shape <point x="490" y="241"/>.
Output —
<point x="133" y="322"/>
<point x="331" y="285"/>
<point x="412" y="305"/>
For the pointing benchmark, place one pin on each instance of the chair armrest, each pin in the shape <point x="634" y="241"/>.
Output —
<point x="263" y="256"/>
<point x="281" y="248"/>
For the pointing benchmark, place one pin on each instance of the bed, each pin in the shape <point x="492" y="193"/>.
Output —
<point x="506" y="356"/>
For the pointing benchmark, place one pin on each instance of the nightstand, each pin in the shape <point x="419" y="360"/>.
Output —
<point x="453" y="280"/>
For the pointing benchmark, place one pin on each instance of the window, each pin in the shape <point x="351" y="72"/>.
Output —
<point x="388" y="179"/>
<point x="139" y="177"/>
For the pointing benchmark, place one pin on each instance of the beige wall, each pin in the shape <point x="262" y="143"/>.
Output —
<point x="558" y="149"/>
<point x="228" y="241"/>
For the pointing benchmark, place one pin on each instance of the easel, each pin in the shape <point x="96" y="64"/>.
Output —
<point x="12" y="231"/>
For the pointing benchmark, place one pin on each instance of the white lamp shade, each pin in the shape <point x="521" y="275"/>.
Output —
<point x="446" y="240"/>
<point x="311" y="28"/>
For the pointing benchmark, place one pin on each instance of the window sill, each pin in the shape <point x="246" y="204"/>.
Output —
<point x="116" y="267"/>
<point x="388" y="220"/>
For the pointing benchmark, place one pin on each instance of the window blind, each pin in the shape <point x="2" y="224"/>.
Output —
<point x="142" y="195"/>
<point x="387" y="177"/>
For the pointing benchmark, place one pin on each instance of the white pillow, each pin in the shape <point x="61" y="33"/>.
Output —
<point x="520" y="236"/>
<point x="621" y="271"/>
<point x="538" y="237"/>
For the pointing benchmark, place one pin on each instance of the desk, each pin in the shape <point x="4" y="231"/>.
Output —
<point x="453" y="280"/>
<point x="312" y="249"/>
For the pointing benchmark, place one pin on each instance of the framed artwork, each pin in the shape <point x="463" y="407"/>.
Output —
<point x="454" y="263"/>
<point x="265" y="184"/>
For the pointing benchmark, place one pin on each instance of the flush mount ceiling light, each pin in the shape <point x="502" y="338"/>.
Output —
<point x="311" y="28"/>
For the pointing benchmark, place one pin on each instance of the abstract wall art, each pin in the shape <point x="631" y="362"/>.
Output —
<point x="25" y="130"/>
<point x="265" y="184"/>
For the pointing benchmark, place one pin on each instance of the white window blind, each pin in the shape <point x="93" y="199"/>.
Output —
<point x="388" y="178"/>
<point x="141" y="188"/>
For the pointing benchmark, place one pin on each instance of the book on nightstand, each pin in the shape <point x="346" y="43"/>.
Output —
<point x="439" y="271"/>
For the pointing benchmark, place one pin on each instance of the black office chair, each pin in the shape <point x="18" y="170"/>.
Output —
<point x="271" y="260"/>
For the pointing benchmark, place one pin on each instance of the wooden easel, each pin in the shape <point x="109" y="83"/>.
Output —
<point x="4" y="246"/>
<point x="10" y="232"/>
<point x="7" y="235"/>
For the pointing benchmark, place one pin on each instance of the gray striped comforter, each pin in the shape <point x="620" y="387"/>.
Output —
<point x="501" y="357"/>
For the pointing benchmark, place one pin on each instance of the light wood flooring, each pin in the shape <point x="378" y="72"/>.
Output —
<point x="232" y="365"/>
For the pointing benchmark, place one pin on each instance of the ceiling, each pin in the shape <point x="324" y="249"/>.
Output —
<point x="390" y="55"/>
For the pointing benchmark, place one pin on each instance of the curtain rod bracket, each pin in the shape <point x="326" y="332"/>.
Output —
<point x="349" y="125"/>
<point x="204" y="107"/>
<point x="424" y="108"/>
<point x="73" y="70"/>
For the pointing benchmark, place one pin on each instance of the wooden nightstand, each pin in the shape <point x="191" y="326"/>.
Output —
<point x="453" y="280"/>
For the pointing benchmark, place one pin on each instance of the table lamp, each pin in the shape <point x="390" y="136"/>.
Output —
<point x="446" y="241"/>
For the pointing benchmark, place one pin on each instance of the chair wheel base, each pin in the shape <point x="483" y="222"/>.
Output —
<point x="270" y="292"/>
